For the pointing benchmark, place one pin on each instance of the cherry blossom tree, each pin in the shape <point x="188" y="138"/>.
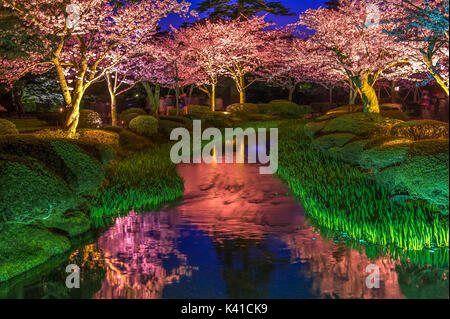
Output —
<point x="78" y="39"/>
<point x="358" y="44"/>
<point x="423" y="26"/>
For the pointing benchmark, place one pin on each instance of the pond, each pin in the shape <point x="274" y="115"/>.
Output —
<point x="235" y="234"/>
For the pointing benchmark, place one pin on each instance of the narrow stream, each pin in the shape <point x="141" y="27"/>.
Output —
<point x="235" y="234"/>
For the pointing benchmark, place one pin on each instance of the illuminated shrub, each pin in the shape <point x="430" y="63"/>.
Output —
<point x="72" y="223"/>
<point x="131" y="113"/>
<point x="325" y="143"/>
<point x="113" y="129"/>
<point x="265" y="108"/>
<point x="184" y="121"/>
<point x="422" y="129"/>
<point x="53" y="134"/>
<point x="89" y="119"/>
<point x="362" y="124"/>
<point x="101" y="152"/>
<point x="243" y="108"/>
<point x="99" y="136"/>
<point x="7" y="127"/>
<point x="289" y="109"/>
<point x="144" y="125"/>
<point x="312" y="128"/>
<point x="421" y="177"/>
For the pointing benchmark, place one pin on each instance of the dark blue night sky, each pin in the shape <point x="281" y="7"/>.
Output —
<point x="296" y="6"/>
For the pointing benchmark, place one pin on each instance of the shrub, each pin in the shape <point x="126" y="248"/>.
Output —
<point x="29" y="125"/>
<point x="166" y="127"/>
<point x="72" y="223"/>
<point x="312" y="128"/>
<point x="341" y="110"/>
<point x="429" y="147"/>
<point x="89" y="119"/>
<point x="184" y="121"/>
<point x="421" y="130"/>
<point x="131" y="113"/>
<point x="324" y="143"/>
<point x="53" y="134"/>
<point x="289" y="109"/>
<point x="99" y="136"/>
<point x="29" y="191"/>
<point x="101" y="152"/>
<point x="243" y="108"/>
<point x="350" y="153"/>
<point x="129" y="141"/>
<point x="366" y="125"/>
<point x="198" y="109"/>
<point x="144" y="125"/>
<point x="7" y="128"/>
<point x="386" y="141"/>
<point x="261" y="117"/>
<point x="113" y="129"/>
<point x="321" y="107"/>
<point x="265" y="108"/>
<point x="422" y="177"/>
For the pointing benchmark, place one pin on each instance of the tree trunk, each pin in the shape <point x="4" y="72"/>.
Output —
<point x="73" y="114"/>
<point x="18" y="102"/>
<point x="369" y="96"/>
<point x="240" y="85"/>
<point x="291" y="92"/>
<point x="330" y="90"/>
<point x="436" y="75"/>
<point x="153" y="96"/>
<point x="213" y="97"/>
<point x="393" y="92"/>
<point x="113" y="97"/>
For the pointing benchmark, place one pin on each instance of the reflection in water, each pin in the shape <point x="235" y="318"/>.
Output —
<point x="236" y="234"/>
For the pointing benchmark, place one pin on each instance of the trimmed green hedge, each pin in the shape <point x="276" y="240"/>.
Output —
<point x="199" y="109"/>
<point x="7" y="128"/>
<point x="421" y="130"/>
<point x="384" y="156"/>
<point x="144" y="125"/>
<point x="131" y="113"/>
<point x="166" y="127"/>
<point x="243" y="108"/>
<point x="312" y="128"/>
<point x="129" y="141"/>
<point x="350" y="153"/>
<point x="362" y="124"/>
<point x="289" y="109"/>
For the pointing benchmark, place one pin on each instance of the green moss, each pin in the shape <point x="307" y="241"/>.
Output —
<point x="420" y="130"/>
<point x="387" y="141"/>
<point x="87" y="173"/>
<point x="339" y="111"/>
<point x="312" y="128"/>
<point x="350" y="153"/>
<point x="25" y="247"/>
<point x="30" y="192"/>
<point x="7" y="128"/>
<point x="422" y="177"/>
<point x="326" y="142"/>
<point x="429" y="147"/>
<point x="144" y="125"/>
<point x="362" y="124"/>
<point x="384" y="156"/>
<point x="73" y="223"/>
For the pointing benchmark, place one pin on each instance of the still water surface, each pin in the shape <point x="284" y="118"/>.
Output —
<point x="235" y="234"/>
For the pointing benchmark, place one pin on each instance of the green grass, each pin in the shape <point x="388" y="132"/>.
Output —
<point x="143" y="181"/>
<point x="344" y="199"/>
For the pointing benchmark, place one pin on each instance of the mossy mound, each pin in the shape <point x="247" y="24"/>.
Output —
<point x="25" y="247"/>
<point x="103" y="153"/>
<point x="79" y="170"/>
<point x="387" y="141"/>
<point x="394" y="114"/>
<point x="421" y="130"/>
<point x="30" y="192"/>
<point x="144" y="125"/>
<point x="362" y="124"/>
<point x="184" y="121"/>
<point x="7" y="128"/>
<point x="288" y="109"/>
<point x="341" y="110"/>
<point x="312" y="128"/>
<point x="325" y="143"/>
<point x="429" y="147"/>
<point x="73" y="223"/>
<point x="131" y="113"/>
<point x="166" y="127"/>
<point x="128" y="141"/>
<point x="199" y="109"/>
<point x="350" y="153"/>
<point x="422" y="177"/>
<point x="384" y="156"/>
